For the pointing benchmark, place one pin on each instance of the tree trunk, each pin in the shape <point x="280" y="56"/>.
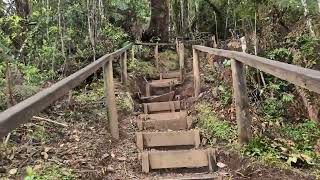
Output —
<point x="159" y="25"/>
<point x="306" y="13"/>
<point x="23" y="8"/>
<point x="61" y="37"/>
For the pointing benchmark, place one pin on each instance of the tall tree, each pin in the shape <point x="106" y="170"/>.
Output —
<point x="159" y="25"/>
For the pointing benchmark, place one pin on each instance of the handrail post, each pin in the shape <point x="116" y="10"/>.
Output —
<point x="181" y="60"/>
<point x="196" y="72"/>
<point x="110" y="98"/>
<point x="124" y="68"/>
<point x="156" y="55"/>
<point x="241" y="101"/>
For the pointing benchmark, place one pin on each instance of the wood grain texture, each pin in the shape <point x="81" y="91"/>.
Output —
<point x="111" y="99"/>
<point x="303" y="77"/>
<point x="22" y="112"/>
<point x="196" y="73"/>
<point x="241" y="101"/>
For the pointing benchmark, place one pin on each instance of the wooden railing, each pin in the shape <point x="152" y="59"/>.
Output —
<point x="25" y="110"/>
<point x="303" y="77"/>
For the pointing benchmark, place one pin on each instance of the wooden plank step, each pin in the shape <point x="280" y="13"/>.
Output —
<point x="164" y="121"/>
<point x="162" y="139"/>
<point x="178" y="159"/>
<point x="170" y="75"/>
<point x="192" y="177"/>
<point x="161" y="106"/>
<point x="161" y="98"/>
<point x="164" y="83"/>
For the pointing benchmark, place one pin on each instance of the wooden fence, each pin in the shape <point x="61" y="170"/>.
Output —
<point x="303" y="77"/>
<point x="25" y="110"/>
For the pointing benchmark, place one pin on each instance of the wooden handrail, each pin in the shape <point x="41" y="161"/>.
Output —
<point x="303" y="77"/>
<point x="155" y="44"/>
<point x="22" y="112"/>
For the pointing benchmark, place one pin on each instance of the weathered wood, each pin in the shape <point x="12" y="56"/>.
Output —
<point x="156" y="55"/>
<point x="164" y="83"/>
<point x="154" y="44"/>
<point x="178" y="159"/>
<point x="110" y="99"/>
<point x="145" y="162"/>
<point x="163" y="139"/>
<point x="241" y="101"/>
<point x="303" y="77"/>
<point x="161" y="106"/>
<point x="170" y="75"/>
<point x="164" y="121"/>
<point x="196" y="73"/>
<point x="124" y="68"/>
<point x="193" y="177"/>
<point x="181" y="61"/>
<point x="161" y="98"/>
<point x="22" y="112"/>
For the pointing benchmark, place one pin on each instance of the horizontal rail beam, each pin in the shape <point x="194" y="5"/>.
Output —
<point x="303" y="77"/>
<point x="155" y="44"/>
<point x="22" y="112"/>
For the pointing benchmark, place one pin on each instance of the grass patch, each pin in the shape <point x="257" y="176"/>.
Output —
<point x="209" y="120"/>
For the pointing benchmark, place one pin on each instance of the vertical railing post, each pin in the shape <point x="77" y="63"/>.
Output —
<point x="124" y="68"/>
<point x="156" y="55"/>
<point x="110" y="98"/>
<point x="181" y="60"/>
<point x="241" y="101"/>
<point x="132" y="53"/>
<point x="196" y="73"/>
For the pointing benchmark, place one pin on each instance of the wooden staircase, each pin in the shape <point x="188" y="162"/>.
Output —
<point x="165" y="125"/>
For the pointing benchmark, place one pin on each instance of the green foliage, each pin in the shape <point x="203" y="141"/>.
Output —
<point x="37" y="133"/>
<point x="281" y="54"/>
<point x="225" y="96"/>
<point x="210" y="121"/>
<point x="275" y="100"/>
<point x="141" y="68"/>
<point x="307" y="54"/>
<point x="49" y="172"/>
<point x="125" y="102"/>
<point x="295" y="144"/>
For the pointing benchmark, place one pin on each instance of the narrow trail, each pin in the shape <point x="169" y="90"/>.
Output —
<point x="165" y="139"/>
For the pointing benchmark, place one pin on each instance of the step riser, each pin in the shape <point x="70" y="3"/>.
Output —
<point x="172" y="124"/>
<point x="166" y="139"/>
<point x="161" y="106"/>
<point x="178" y="159"/>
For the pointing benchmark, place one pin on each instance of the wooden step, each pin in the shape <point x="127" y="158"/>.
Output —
<point x="178" y="159"/>
<point x="161" y="98"/>
<point x="162" y="139"/>
<point x="164" y="83"/>
<point x="170" y="75"/>
<point x="164" y="121"/>
<point x="161" y="106"/>
<point x="192" y="177"/>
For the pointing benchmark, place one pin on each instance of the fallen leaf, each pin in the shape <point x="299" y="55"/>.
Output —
<point x="47" y="149"/>
<point x="113" y="155"/>
<point x="221" y="165"/>
<point x="105" y="155"/>
<point x="37" y="167"/>
<point x="45" y="155"/>
<point x="110" y="168"/>
<point x="122" y="159"/>
<point x="13" y="171"/>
